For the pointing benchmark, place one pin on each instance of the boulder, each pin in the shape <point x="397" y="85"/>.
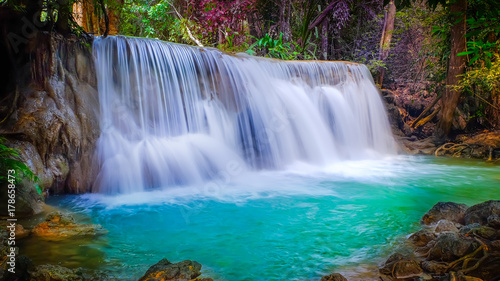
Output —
<point x="446" y="226"/>
<point x="450" y="246"/>
<point x="333" y="277"/>
<point x="479" y="230"/>
<point x="401" y="267"/>
<point x="49" y="272"/>
<point x="445" y="210"/>
<point x="481" y="212"/>
<point x="61" y="226"/>
<point x="495" y="245"/>
<point x="422" y="237"/>
<point x="494" y="221"/>
<point x="407" y="269"/>
<point x="164" y="270"/>
<point x="433" y="267"/>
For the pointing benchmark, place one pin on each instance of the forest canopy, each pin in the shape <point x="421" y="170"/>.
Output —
<point x="445" y="47"/>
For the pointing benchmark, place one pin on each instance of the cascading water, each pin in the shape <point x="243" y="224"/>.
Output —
<point x="174" y="114"/>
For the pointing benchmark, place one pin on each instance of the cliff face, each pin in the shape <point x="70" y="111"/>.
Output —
<point x="54" y="122"/>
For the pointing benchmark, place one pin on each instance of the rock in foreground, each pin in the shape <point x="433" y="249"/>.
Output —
<point x="164" y="270"/>
<point x="456" y="243"/>
<point x="333" y="277"/>
<point x="61" y="226"/>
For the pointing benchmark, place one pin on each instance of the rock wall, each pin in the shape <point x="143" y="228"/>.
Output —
<point x="55" y="119"/>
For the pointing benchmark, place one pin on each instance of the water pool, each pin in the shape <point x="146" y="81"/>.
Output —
<point x="297" y="224"/>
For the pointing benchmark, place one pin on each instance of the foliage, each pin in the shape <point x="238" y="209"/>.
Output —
<point x="483" y="36"/>
<point x="273" y="48"/>
<point x="9" y="159"/>
<point x="224" y="22"/>
<point x="482" y="79"/>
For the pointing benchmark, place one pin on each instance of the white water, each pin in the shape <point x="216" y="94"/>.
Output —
<point x="178" y="115"/>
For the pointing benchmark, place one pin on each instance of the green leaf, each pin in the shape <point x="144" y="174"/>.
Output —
<point x="474" y="59"/>
<point x="465" y="53"/>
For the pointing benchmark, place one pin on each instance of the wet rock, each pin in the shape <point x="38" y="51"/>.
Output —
<point x="414" y="146"/>
<point x="495" y="245"/>
<point x="451" y="246"/>
<point x="407" y="269"/>
<point x="438" y="268"/>
<point x="401" y="267"/>
<point x="494" y="221"/>
<point x="61" y="226"/>
<point x="164" y="270"/>
<point x="481" y="212"/>
<point x="91" y="275"/>
<point x="446" y="226"/>
<point x="467" y="228"/>
<point x="422" y="237"/>
<point x="479" y="230"/>
<point x="333" y="277"/>
<point x="56" y="123"/>
<point x="445" y="210"/>
<point x="49" y="272"/>
<point x="28" y="201"/>
<point x="21" y="232"/>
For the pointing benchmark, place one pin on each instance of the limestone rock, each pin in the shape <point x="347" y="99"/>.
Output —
<point x="481" y="212"/>
<point x="495" y="245"/>
<point x="56" y="123"/>
<point x="61" y="226"/>
<point x="445" y="210"/>
<point x="422" y="237"/>
<point x="446" y="226"/>
<point x="401" y="267"/>
<point x="434" y="267"/>
<point x="451" y="246"/>
<point x="479" y="230"/>
<point x="49" y="272"/>
<point x="164" y="270"/>
<point x="333" y="277"/>
<point x="494" y="221"/>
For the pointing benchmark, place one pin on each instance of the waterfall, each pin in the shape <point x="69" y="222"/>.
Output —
<point x="174" y="115"/>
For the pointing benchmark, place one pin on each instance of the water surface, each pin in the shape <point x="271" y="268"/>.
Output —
<point x="297" y="224"/>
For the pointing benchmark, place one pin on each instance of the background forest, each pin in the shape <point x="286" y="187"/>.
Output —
<point x="431" y="56"/>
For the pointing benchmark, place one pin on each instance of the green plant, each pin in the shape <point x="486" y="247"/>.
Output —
<point x="9" y="160"/>
<point x="273" y="48"/>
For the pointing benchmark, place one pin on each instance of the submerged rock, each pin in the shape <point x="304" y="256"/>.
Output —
<point x="49" y="272"/>
<point x="445" y="210"/>
<point x="60" y="226"/>
<point x="481" y="212"/>
<point x="164" y="270"/>
<point x="333" y="277"/>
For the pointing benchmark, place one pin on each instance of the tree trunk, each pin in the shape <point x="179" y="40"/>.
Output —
<point x="385" y="40"/>
<point x="114" y="12"/>
<point x="456" y="67"/>
<point x="63" y="15"/>
<point x="324" y="40"/>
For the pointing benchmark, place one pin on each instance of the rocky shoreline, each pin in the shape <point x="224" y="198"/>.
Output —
<point x="455" y="243"/>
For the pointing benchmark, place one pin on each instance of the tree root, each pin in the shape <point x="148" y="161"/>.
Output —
<point x="469" y="269"/>
<point x="451" y="265"/>
<point x="415" y="124"/>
